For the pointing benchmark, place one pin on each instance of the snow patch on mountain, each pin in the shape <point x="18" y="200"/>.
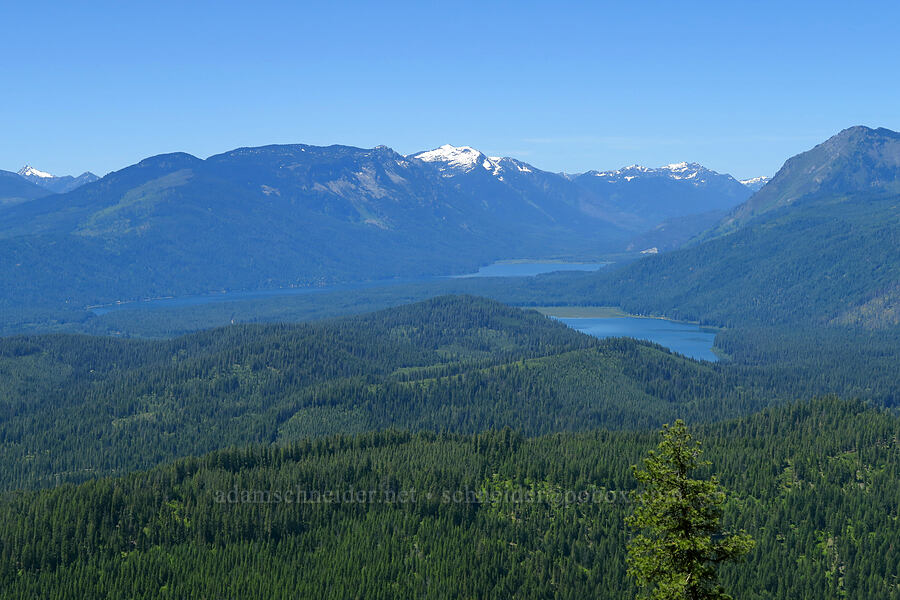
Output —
<point x="756" y="183"/>
<point x="29" y="171"/>
<point x="55" y="184"/>
<point x="693" y="173"/>
<point x="457" y="158"/>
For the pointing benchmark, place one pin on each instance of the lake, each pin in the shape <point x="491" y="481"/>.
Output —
<point x="530" y="269"/>
<point x="684" y="338"/>
<point x="498" y="269"/>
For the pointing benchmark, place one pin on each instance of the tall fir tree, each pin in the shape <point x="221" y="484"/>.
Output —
<point x="679" y="541"/>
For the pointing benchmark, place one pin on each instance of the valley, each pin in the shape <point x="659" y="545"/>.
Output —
<point x="518" y="268"/>
<point x="450" y="301"/>
<point x="772" y="334"/>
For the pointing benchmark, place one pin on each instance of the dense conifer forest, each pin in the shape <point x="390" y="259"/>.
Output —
<point x="78" y="407"/>
<point x="299" y="340"/>
<point x="454" y="446"/>
<point x="494" y="515"/>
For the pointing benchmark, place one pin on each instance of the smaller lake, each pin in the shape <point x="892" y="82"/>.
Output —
<point x="684" y="338"/>
<point x="530" y="269"/>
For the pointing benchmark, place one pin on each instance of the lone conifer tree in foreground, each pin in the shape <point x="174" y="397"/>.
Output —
<point x="679" y="542"/>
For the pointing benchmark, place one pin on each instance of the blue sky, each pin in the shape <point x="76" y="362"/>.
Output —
<point x="567" y="86"/>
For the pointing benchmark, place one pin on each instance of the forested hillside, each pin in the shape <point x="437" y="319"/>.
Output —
<point x="285" y="216"/>
<point x="239" y="367"/>
<point x="820" y="261"/>
<point x="856" y="160"/>
<point x="820" y="243"/>
<point x="809" y="263"/>
<point x="389" y="514"/>
<point x="76" y="407"/>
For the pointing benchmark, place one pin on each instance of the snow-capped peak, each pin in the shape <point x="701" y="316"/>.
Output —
<point x="453" y="160"/>
<point x="694" y="172"/>
<point x="756" y="183"/>
<point x="457" y="157"/>
<point x="29" y="171"/>
<point x="629" y="171"/>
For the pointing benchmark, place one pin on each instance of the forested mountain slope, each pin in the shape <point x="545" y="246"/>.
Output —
<point x="856" y="160"/>
<point x="819" y="244"/>
<point x="444" y="516"/>
<point x="278" y="216"/>
<point x="287" y="216"/>
<point x="76" y="407"/>
<point x="812" y="262"/>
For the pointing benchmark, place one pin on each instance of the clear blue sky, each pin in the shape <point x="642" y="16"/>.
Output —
<point x="563" y="86"/>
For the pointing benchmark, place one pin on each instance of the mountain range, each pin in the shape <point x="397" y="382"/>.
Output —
<point x="57" y="185"/>
<point x="31" y="184"/>
<point x="756" y="183"/>
<point x="495" y="445"/>
<point x="15" y="189"/>
<point x="642" y="196"/>
<point x="820" y="243"/>
<point x="634" y="198"/>
<point x="299" y="215"/>
<point x="454" y="394"/>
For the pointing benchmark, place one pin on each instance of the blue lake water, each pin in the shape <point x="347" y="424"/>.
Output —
<point x="530" y="269"/>
<point x="500" y="269"/>
<point x="229" y="296"/>
<point x="684" y="338"/>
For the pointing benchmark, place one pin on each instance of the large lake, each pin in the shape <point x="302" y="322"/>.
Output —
<point x="499" y="269"/>
<point x="684" y="338"/>
<point x="530" y="269"/>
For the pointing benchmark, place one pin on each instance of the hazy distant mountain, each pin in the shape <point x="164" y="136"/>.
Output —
<point x="482" y="179"/>
<point x="756" y="183"/>
<point x="858" y="159"/>
<point x="15" y="190"/>
<point x="59" y="185"/>
<point x="279" y="216"/>
<point x="819" y="243"/>
<point x="636" y="199"/>
<point x="640" y="198"/>
<point x="298" y="215"/>
<point x="675" y="232"/>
